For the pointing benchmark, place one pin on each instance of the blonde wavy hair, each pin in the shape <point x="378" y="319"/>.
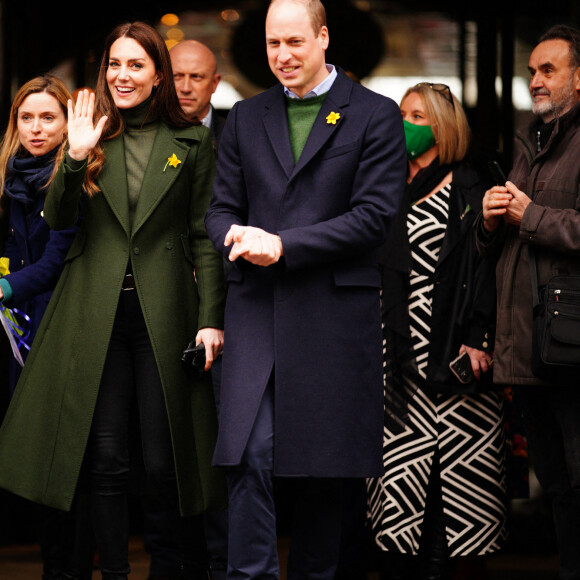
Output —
<point x="447" y="118"/>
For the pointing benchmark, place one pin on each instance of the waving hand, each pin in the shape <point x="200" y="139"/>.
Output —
<point x="83" y="135"/>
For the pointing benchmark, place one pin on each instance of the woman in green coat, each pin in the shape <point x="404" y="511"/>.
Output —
<point x="140" y="281"/>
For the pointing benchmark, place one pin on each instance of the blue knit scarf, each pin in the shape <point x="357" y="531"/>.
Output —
<point x="28" y="175"/>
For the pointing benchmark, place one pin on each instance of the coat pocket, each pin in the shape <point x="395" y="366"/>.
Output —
<point x="340" y="149"/>
<point x="233" y="273"/>
<point x="367" y="276"/>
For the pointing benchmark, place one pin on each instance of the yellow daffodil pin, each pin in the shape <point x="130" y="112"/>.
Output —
<point x="173" y="161"/>
<point x="4" y="266"/>
<point x="332" y="118"/>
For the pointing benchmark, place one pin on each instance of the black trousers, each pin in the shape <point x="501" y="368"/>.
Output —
<point x="252" y="526"/>
<point x="552" y="421"/>
<point x="131" y="386"/>
<point x="66" y="541"/>
<point x="167" y="556"/>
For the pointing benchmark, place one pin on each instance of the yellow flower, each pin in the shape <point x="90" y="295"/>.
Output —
<point x="173" y="161"/>
<point x="4" y="266"/>
<point x="332" y="118"/>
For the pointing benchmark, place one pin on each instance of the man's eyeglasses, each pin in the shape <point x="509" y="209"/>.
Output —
<point x="440" y="88"/>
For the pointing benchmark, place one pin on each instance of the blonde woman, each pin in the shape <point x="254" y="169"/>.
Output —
<point x="442" y="494"/>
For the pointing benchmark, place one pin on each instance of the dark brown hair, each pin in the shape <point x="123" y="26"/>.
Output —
<point x="164" y="105"/>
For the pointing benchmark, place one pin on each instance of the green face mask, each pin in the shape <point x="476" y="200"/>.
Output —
<point x="418" y="138"/>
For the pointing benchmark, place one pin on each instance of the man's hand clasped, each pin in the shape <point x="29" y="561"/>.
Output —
<point x="504" y="202"/>
<point x="254" y="245"/>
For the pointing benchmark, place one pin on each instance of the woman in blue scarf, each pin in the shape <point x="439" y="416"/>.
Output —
<point x="32" y="146"/>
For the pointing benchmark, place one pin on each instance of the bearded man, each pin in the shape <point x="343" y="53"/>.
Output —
<point x="538" y="209"/>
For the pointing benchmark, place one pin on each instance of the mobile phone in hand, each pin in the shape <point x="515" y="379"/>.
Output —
<point x="497" y="173"/>
<point x="462" y="369"/>
<point x="194" y="358"/>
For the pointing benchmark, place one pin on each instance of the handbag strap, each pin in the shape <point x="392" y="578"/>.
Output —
<point x="533" y="275"/>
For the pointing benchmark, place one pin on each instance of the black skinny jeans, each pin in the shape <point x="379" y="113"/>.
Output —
<point x="131" y="382"/>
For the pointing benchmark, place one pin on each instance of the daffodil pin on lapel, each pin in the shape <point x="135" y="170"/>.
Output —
<point x="332" y="118"/>
<point x="173" y="161"/>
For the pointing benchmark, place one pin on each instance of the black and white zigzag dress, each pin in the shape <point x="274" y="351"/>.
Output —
<point x="467" y="431"/>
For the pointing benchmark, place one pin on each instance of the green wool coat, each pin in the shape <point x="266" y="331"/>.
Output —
<point x="44" y="435"/>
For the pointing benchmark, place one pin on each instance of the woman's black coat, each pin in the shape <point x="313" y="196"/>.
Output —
<point x="464" y="295"/>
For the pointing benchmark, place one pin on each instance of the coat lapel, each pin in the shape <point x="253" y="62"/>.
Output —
<point x="113" y="182"/>
<point x="159" y="174"/>
<point x="322" y="130"/>
<point x="276" y="125"/>
<point x="320" y="133"/>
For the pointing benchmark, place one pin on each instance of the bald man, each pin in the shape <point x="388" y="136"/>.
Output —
<point x="196" y="80"/>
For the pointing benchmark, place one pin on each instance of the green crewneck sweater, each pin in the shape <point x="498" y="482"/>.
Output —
<point x="138" y="140"/>
<point x="301" y="116"/>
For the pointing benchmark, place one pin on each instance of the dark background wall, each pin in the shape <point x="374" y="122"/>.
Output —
<point x="34" y="41"/>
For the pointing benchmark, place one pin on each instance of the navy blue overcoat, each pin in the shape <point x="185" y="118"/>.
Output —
<point x="36" y="256"/>
<point x="314" y="318"/>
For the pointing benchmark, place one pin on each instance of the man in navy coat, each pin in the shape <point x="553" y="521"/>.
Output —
<point x="310" y="175"/>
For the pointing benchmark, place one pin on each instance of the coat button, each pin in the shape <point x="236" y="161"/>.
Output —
<point x="485" y="344"/>
<point x="135" y="250"/>
<point x="169" y="245"/>
<point x="22" y="263"/>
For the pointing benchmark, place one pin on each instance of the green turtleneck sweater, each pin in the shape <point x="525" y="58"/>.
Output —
<point x="301" y="116"/>
<point x="138" y="140"/>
